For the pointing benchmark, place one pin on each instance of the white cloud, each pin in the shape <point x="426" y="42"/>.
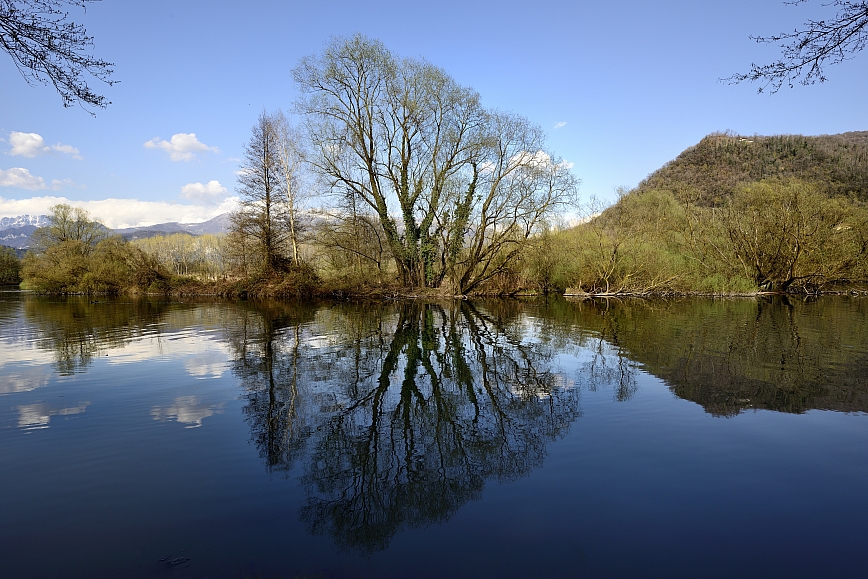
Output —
<point x="181" y="147"/>
<point x="538" y="159"/>
<point x="21" y="178"/>
<point x="210" y="191"/>
<point x="119" y="213"/>
<point x="32" y="144"/>
<point x="560" y="125"/>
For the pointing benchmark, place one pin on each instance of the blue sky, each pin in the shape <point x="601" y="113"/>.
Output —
<point x="621" y="88"/>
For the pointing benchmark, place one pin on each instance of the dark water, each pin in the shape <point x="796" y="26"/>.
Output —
<point x="693" y="438"/>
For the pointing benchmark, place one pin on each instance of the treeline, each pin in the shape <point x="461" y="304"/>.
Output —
<point x="78" y="255"/>
<point x="774" y="235"/>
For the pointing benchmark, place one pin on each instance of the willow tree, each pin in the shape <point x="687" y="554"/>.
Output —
<point x="791" y="234"/>
<point x="405" y="139"/>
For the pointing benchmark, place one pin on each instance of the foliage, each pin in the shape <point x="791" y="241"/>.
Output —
<point x="47" y="48"/>
<point x="69" y="223"/>
<point x="74" y="255"/>
<point x="711" y="171"/>
<point x="769" y="235"/>
<point x="780" y="234"/>
<point x="352" y="249"/>
<point x="10" y="266"/>
<point x="730" y="215"/>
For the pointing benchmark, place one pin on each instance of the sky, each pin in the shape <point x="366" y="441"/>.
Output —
<point x="621" y="87"/>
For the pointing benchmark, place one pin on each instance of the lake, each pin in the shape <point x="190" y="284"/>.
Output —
<point x="551" y="438"/>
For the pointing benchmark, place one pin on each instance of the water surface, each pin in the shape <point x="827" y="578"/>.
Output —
<point x="712" y="438"/>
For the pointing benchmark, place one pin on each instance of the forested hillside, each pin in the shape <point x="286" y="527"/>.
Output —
<point x="714" y="168"/>
<point x="731" y="214"/>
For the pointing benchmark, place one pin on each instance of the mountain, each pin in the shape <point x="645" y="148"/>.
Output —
<point x="17" y="237"/>
<point x="712" y="169"/>
<point x="24" y="221"/>
<point x="217" y="225"/>
<point x="15" y="232"/>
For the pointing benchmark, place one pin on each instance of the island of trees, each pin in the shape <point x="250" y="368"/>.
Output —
<point x="422" y="190"/>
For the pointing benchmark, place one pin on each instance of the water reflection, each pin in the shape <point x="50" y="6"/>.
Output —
<point x="187" y="410"/>
<point x="731" y="355"/>
<point x="394" y="416"/>
<point x="38" y="416"/>
<point x="17" y="379"/>
<point x="399" y="415"/>
<point x="77" y="329"/>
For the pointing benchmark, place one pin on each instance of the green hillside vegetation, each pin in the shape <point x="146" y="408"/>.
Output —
<point x="714" y="169"/>
<point x="730" y="215"/>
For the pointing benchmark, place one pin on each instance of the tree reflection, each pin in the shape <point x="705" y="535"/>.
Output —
<point x="267" y="363"/>
<point x="400" y="414"/>
<point x="77" y="329"/>
<point x="779" y="353"/>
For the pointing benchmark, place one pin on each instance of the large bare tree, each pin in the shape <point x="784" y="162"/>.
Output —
<point x="48" y="48"/>
<point x="449" y="181"/>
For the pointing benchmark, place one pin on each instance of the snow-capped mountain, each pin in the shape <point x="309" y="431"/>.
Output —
<point x="16" y="231"/>
<point x="22" y="220"/>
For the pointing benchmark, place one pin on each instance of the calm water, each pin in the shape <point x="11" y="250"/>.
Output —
<point x="693" y="438"/>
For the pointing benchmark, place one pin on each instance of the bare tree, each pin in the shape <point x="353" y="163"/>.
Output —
<point x="69" y="224"/>
<point x="291" y="157"/>
<point x="806" y="51"/>
<point x="391" y="131"/>
<point x="515" y="185"/>
<point x="261" y="184"/>
<point x="48" y="48"/>
<point x="437" y="169"/>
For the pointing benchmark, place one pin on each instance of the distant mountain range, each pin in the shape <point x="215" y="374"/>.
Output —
<point x="15" y="232"/>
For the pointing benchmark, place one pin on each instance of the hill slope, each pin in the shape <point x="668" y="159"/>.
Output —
<point x="712" y="169"/>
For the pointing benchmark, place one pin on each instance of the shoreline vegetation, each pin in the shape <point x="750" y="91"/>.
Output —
<point x="802" y="230"/>
<point x="424" y="192"/>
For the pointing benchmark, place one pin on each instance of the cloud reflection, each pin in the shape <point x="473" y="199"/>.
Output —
<point x="187" y="410"/>
<point x="37" y="416"/>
